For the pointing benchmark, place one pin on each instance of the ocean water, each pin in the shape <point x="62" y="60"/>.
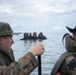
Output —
<point x="53" y="47"/>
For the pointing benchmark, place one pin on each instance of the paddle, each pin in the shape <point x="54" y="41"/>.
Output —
<point x="39" y="67"/>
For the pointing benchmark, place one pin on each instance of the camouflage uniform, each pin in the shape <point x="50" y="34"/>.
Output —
<point x="66" y="64"/>
<point x="8" y="66"/>
<point x="6" y="59"/>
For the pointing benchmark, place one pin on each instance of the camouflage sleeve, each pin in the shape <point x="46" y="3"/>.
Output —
<point x="24" y="66"/>
<point x="71" y="64"/>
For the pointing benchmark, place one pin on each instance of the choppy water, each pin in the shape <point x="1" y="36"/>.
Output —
<point x="53" y="49"/>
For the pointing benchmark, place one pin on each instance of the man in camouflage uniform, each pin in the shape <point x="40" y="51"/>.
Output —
<point x="8" y="65"/>
<point x="66" y="64"/>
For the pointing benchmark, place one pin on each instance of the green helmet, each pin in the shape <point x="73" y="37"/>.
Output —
<point x="5" y="29"/>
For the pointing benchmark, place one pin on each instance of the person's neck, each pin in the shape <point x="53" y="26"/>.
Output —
<point x="6" y="51"/>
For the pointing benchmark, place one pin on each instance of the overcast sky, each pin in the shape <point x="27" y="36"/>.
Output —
<point x="38" y="12"/>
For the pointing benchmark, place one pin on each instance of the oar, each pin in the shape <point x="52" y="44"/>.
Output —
<point x="39" y="67"/>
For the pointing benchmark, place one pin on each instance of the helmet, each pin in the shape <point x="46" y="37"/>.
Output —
<point x="5" y="29"/>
